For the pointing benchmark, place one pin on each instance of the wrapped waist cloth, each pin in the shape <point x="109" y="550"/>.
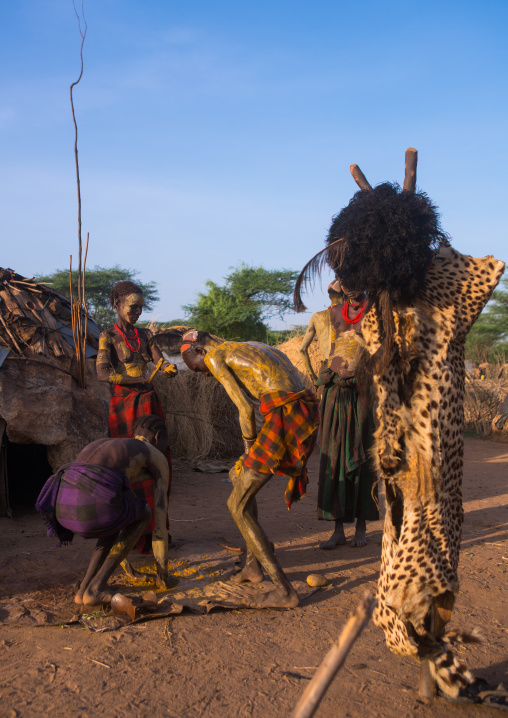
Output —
<point x="287" y="438"/>
<point x="89" y="500"/>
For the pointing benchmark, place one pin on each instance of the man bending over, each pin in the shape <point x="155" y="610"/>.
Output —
<point x="101" y="495"/>
<point x="252" y="372"/>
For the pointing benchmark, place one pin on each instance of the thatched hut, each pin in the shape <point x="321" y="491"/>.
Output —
<point x="45" y="417"/>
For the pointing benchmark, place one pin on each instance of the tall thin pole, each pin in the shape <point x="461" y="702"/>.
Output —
<point x="78" y="306"/>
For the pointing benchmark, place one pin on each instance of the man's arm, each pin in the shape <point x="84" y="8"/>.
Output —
<point x="304" y="349"/>
<point x="224" y="375"/>
<point x="156" y="354"/>
<point x="104" y="364"/>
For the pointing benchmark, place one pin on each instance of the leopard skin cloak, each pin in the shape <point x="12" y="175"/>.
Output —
<point x="418" y="448"/>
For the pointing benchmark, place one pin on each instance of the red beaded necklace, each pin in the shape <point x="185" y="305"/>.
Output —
<point x="358" y="317"/>
<point x="124" y="337"/>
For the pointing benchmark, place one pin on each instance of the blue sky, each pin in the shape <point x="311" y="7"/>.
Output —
<point x="214" y="133"/>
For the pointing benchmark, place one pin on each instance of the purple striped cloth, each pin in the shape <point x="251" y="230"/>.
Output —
<point x="89" y="500"/>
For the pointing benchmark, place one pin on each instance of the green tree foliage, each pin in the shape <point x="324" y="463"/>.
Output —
<point x="99" y="282"/>
<point x="241" y="307"/>
<point x="488" y="339"/>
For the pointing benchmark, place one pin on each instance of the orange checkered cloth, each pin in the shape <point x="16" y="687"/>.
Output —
<point x="287" y="439"/>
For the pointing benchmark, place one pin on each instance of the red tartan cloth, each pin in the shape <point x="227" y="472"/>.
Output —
<point x="287" y="439"/>
<point x="125" y="406"/>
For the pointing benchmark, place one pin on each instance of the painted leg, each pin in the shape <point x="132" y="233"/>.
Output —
<point x="99" y="555"/>
<point x="360" y="537"/>
<point x="338" y="537"/>
<point x="245" y="487"/>
<point x="252" y="570"/>
<point x="97" y="591"/>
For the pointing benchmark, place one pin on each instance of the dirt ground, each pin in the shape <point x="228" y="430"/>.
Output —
<point x="245" y="662"/>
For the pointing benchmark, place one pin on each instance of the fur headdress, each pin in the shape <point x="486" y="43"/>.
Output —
<point x="382" y="243"/>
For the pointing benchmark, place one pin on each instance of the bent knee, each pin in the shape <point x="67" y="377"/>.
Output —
<point x="232" y="504"/>
<point x="234" y="473"/>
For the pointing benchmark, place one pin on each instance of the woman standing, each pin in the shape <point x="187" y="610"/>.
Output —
<point x="122" y="361"/>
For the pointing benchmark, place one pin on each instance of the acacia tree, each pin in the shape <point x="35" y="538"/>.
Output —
<point x="99" y="282"/>
<point x="240" y="308"/>
<point x="488" y="339"/>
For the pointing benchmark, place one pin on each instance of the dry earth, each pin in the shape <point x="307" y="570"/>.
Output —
<point x="245" y="662"/>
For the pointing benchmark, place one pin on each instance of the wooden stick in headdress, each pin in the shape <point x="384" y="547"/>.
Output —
<point x="359" y="178"/>
<point x="410" y="169"/>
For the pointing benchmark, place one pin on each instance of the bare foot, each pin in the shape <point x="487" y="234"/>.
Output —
<point x="167" y="582"/>
<point x="336" y="539"/>
<point x="136" y="575"/>
<point x="359" y="539"/>
<point x="250" y="572"/>
<point x="140" y="576"/>
<point x="278" y="598"/>
<point x="97" y="597"/>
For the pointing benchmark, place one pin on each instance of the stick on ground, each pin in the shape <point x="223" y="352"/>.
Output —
<point x="335" y="658"/>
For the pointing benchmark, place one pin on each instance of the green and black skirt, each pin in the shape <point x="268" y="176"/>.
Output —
<point x="346" y="474"/>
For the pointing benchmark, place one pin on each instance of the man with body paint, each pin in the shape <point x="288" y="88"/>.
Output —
<point x="101" y="495"/>
<point x="320" y="328"/>
<point x="122" y="359"/>
<point x="346" y="473"/>
<point x="252" y="372"/>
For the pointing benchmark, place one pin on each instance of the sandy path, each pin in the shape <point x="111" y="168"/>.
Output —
<point x="248" y="662"/>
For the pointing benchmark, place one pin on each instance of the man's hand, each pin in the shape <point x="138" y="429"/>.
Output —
<point x="171" y="370"/>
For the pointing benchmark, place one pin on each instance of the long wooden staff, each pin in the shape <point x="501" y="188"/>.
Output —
<point x="334" y="659"/>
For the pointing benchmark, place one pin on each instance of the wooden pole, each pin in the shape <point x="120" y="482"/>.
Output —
<point x="359" y="177"/>
<point x="85" y="313"/>
<point x="410" y="169"/>
<point x="335" y="658"/>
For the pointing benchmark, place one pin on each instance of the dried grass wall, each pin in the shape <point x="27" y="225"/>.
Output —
<point x="483" y="399"/>
<point x="202" y="420"/>
<point x="291" y="349"/>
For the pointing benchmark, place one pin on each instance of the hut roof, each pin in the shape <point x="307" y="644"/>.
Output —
<point x="36" y="319"/>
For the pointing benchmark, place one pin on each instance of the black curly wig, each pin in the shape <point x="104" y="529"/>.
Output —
<point x="381" y="243"/>
<point x="388" y="237"/>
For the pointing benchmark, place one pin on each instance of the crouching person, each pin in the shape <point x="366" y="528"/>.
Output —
<point x="101" y="495"/>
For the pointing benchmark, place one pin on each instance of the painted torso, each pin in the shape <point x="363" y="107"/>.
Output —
<point x="255" y="367"/>
<point x="119" y="360"/>
<point x="346" y="342"/>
